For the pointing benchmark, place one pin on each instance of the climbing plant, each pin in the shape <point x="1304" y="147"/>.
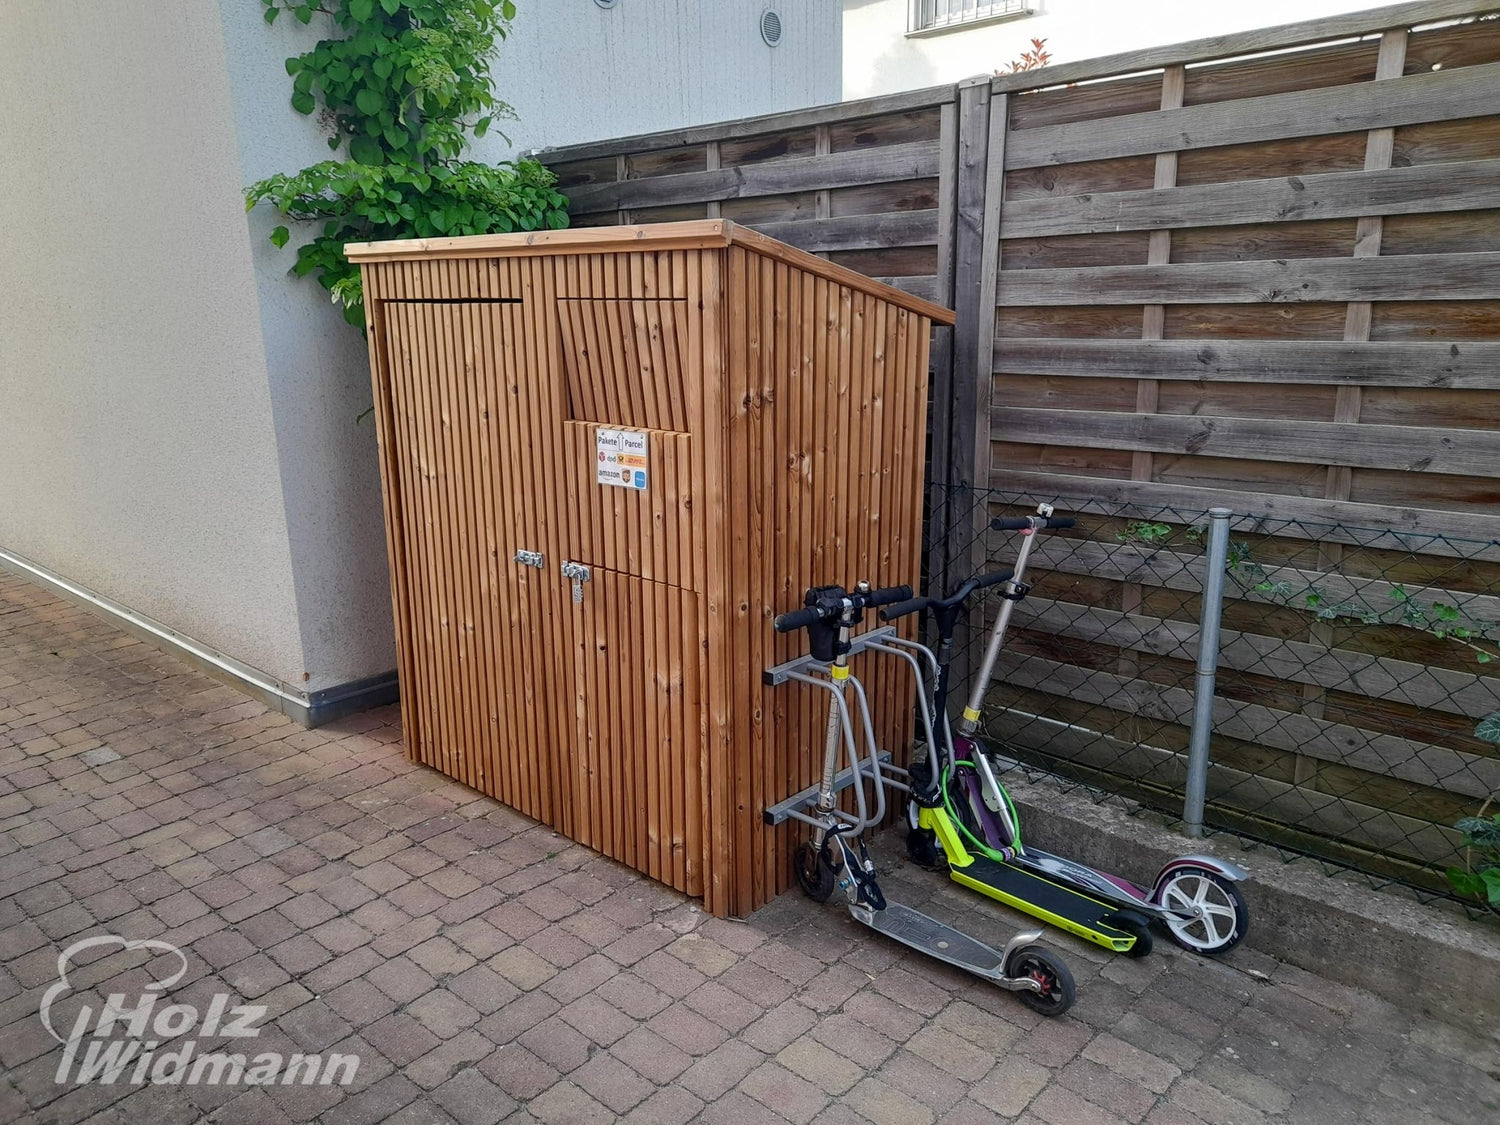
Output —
<point x="404" y="89"/>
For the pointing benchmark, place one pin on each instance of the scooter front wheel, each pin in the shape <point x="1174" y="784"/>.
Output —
<point x="812" y="872"/>
<point x="1058" y="990"/>
<point x="1206" y="912"/>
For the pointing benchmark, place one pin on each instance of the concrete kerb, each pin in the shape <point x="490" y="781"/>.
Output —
<point x="1387" y="943"/>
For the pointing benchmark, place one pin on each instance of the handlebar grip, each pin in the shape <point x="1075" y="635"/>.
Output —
<point x="990" y="579"/>
<point x="902" y="609"/>
<point x="1010" y="523"/>
<point x="1060" y="521"/>
<point x="889" y="596"/>
<point x="798" y="619"/>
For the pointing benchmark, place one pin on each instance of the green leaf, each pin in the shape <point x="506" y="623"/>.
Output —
<point x="304" y="14"/>
<point x="508" y="9"/>
<point x="303" y="102"/>
<point x="271" y="14"/>
<point x="391" y="6"/>
<point x="1483" y="657"/>
<point x="382" y="68"/>
<point x="1489" y="728"/>
<point x="361" y="10"/>
<point x="294" y="64"/>
<point x="1465" y="882"/>
<point x="482" y="126"/>
<point x="280" y="235"/>
<point x="364" y="150"/>
<point x="1491" y="879"/>
<point x="369" y="101"/>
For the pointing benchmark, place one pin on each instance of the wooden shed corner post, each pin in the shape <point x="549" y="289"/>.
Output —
<point x="712" y="357"/>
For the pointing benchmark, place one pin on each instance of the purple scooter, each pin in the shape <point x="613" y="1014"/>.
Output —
<point x="961" y="812"/>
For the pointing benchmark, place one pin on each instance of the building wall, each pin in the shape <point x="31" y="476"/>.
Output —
<point x="137" y="446"/>
<point x="180" y="421"/>
<point x="660" y="64"/>
<point x="880" y="58"/>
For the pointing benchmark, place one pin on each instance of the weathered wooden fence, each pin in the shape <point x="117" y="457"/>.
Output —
<point x="1260" y="271"/>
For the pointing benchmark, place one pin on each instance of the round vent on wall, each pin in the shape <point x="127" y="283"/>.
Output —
<point x="770" y="27"/>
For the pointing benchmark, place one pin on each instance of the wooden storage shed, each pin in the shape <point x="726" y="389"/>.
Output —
<point x="609" y="458"/>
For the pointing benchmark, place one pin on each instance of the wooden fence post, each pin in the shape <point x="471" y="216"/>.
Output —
<point x="968" y="405"/>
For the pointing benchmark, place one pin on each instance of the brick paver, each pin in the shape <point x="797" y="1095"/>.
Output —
<point x="486" y="970"/>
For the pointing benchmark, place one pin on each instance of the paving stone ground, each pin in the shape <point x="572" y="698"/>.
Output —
<point x="484" y="969"/>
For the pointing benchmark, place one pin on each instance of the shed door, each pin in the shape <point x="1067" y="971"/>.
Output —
<point x="636" y="777"/>
<point x="469" y="413"/>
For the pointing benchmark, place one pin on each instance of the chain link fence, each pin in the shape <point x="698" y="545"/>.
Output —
<point x="1356" y="672"/>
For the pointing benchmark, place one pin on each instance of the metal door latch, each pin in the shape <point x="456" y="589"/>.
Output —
<point x="530" y="558"/>
<point x="579" y="574"/>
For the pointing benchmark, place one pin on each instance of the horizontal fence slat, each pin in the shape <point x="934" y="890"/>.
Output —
<point x="1420" y="530"/>
<point x="1379" y="677"/>
<point x="885" y="105"/>
<point x="1304" y="809"/>
<point x="1404" y="277"/>
<point x="1422" y="189"/>
<point x="1421" y="763"/>
<point x="1444" y="95"/>
<point x="857" y="232"/>
<point x="1173" y="570"/>
<point x="916" y="160"/>
<point x="1460" y="365"/>
<point x="925" y="287"/>
<point x="1416" y="449"/>
<point x="1220" y="47"/>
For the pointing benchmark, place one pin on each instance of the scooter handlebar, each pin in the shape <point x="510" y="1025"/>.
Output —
<point x="984" y="581"/>
<point x="1023" y="523"/>
<point x="903" y="609"/>
<point x="798" y="619"/>
<point x="889" y="596"/>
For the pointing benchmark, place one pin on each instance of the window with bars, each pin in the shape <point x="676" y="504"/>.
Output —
<point x="936" y="15"/>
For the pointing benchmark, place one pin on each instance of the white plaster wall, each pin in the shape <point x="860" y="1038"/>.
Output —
<point x="879" y="58"/>
<point x="137" y="452"/>
<point x="178" y="417"/>
<point x="318" y="374"/>
<point x="577" y="72"/>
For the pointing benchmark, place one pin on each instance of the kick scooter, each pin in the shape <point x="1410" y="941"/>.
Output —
<point x="836" y="856"/>
<point x="959" y="809"/>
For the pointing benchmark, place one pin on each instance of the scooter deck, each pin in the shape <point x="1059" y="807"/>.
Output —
<point x="937" y="939"/>
<point x="1061" y="906"/>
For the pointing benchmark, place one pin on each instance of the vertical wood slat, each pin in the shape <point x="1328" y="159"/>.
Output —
<point x="1390" y="63"/>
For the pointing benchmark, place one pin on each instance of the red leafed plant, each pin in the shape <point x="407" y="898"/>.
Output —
<point x="1033" y="59"/>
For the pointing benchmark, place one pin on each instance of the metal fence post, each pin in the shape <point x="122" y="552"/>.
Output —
<point x="1208" y="663"/>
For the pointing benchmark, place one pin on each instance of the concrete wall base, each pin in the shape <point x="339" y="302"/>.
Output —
<point x="311" y="709"/>
<point x="1422" y="957"/>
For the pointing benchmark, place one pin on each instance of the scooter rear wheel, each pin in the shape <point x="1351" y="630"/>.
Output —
<point x="1140" y="930"/>
<point x="1058" y="990"/>
<point x="921" y="847"/>
<point x="1226" y="917"/>
<point x="812" y="872"/>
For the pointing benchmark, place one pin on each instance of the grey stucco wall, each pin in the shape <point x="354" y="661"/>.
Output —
<point x="137" y="450"/>
<point x="178" y="417"/>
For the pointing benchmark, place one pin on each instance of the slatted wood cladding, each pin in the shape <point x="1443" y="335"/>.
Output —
<point x="783" y="401"/>
<point x="1259" y="271"/>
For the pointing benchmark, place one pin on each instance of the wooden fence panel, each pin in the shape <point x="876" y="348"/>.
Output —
<point x="1259" y="271"/>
